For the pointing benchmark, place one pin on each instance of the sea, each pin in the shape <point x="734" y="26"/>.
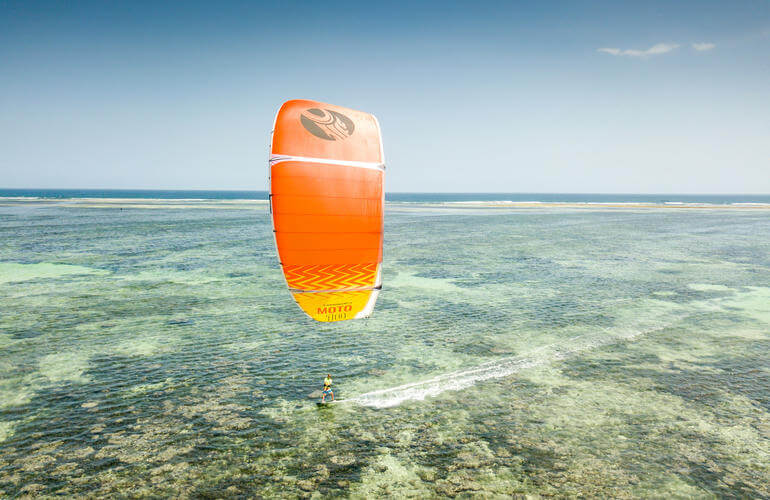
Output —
<point x="539" y="345"/>
<point x="592" y="198"/>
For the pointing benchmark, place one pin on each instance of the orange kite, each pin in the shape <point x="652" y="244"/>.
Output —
<point x="327" y="199"/>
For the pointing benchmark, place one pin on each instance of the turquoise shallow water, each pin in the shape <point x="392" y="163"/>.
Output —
<point x="154" y="351"/>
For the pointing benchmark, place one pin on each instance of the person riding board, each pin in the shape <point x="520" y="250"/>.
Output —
<point x="327" y="388"/>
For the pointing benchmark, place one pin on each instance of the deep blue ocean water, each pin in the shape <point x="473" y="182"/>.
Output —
<point x="713" y="199"/>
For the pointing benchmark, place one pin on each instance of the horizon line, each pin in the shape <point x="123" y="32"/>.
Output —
<point x="397" y="192"/>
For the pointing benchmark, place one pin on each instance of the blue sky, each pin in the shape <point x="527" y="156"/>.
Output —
<point x="647" y="97"/>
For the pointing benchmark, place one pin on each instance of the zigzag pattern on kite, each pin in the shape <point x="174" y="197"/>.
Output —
<point x="331" y="276"/>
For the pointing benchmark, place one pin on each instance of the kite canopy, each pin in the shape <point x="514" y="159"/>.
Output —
<point x="326" y="199"/>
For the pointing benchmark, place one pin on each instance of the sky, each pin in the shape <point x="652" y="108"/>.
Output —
<point x="577" y="97"/>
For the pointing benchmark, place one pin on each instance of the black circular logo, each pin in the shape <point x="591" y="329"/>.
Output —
<point x="327" y="124"/>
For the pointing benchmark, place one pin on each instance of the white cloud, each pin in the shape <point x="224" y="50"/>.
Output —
<point x="700" y="47"/>
<point x="659" y="48"/>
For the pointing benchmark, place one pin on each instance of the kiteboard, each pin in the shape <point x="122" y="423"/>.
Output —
<point x="327" y="403"/>
<point x="327" y="197"/>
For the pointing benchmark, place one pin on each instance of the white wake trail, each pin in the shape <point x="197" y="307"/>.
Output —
<point x="499" y="368"/>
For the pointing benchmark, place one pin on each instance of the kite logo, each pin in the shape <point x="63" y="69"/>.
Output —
<point x="329" y="310"/>
<point x="327" y="124"/>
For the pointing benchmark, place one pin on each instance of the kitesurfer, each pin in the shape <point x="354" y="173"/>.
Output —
<point x="327" y="388"/>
